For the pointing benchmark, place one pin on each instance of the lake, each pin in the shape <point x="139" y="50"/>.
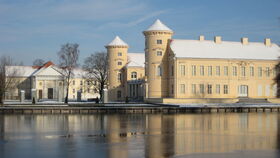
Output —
<point x="217" y="135"/>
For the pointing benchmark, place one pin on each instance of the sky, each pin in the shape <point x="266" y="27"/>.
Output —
<point x="31" y="29"/>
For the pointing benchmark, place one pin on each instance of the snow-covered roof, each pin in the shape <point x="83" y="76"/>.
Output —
<point x="158" y="26"/>
<point x="117" y="41"/>
<point x="224" y="50"/>
<point x="28" y="71"/>
<point x="20" y="71"/>
<point x="136" y="60"/>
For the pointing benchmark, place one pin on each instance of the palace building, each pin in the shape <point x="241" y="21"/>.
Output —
<point x="192" y="71"/>
<point x="48" y="83"/>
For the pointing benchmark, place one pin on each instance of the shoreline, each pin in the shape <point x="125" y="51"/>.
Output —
<point x="136" y="108"/>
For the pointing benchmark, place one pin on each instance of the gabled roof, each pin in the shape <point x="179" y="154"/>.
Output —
<point x="117" y="41"/>
<point x="48" y="69"/>
<point x="224" y="50"/>
<point x="158" y="26"/>
<point x="136" y="60"/>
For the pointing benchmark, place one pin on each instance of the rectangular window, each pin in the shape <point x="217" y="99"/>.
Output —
<point x="234" y="71"/>
<point x="182" y="70"/>
<point x="88" y="90"/>
<point x="159" y="53"/>
<point x="159" y="71"/>
<point x="274" y="89"/>
<point x="209" y="89"/>
<point x="252" y="73"/>
<point x="217" y="89"/>
<point x="201" y="88"/>
<point x="119" y="76"/>
<point x="225" y="89"/>
<point x="267" y="90"/>
<point x="274" y="72"/>
<point x="119" y="94"/>
<point x="202" y="70"/>
<point x="209" y="70"/>
<point x="81" y="83"/>
<point x="73" y="90"/>
<point x="243" y="71"/>
<point x="172" y="70"/>
<point x="218" y="70"/>
<point x="119" y="54"/>
<point x="193" y="70"/>
<point x="193" y="89"/>
<point x="267" y="72"/>
<point x="159" y="41"/>
<point x="73" y="82"/>
<point x="260" y="71"/>
<point x="182" y="88"/>
<point x="226" y="70"/>
<point x="259" y="90"/>
<point x="119" y="63"/>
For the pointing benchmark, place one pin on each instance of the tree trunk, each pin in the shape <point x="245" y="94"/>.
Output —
<point x="66" y="97"/>
<point x="1" y="100"/>
<point x="101" y="91"/>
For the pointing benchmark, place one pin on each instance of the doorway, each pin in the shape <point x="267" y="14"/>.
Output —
<point x="40" y="94"/>
<point x="50" y="93"/>
<point x="243" y="91"/>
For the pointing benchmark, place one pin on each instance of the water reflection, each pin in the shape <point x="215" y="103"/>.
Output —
<point x="138" y="135"/>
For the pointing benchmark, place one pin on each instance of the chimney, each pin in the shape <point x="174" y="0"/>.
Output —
<point x="218" y="39"/>
<point x="267" y="42"/>
<point x="201" y="38"/>
<point x="244" y="41"/>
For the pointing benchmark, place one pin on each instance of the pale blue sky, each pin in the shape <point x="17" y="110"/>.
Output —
<point x="31" y="29"/>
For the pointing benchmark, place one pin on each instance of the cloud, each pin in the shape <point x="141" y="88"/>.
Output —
<point x="132" y="22"/>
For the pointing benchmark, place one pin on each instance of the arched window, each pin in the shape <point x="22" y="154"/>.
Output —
<point x="134" y="75"/>
<point x="159" y="71"/>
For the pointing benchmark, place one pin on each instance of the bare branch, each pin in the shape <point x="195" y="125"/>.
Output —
<point x="96" y="68"/>
<point x="68" y="61"/>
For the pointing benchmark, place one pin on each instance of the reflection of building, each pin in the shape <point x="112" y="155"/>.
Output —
<point x="49" y="83"/>
<point x="182" y="69"/>
<point x="164" y="135"/>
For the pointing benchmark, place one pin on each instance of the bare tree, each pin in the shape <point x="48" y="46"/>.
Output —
<point x="277" y="78"/>
<point x="96" y="67"/>
<point x="8" y="76"/>
<point x="38" y="62"/>
<point x="68" y="61"/>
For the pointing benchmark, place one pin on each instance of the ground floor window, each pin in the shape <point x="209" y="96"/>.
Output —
<point x="209" y="89"/>
<point x="217" y="89"/>
<point x="201" y="88"/>
<point x="225" y="89"/>
<point x="182" y="88"/>
<point x="119" y="94"/>
<point x="193" y="89"/>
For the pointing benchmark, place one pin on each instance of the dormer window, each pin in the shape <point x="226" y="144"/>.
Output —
<point x="119" y="53"/>
<point x="159" y="41"/>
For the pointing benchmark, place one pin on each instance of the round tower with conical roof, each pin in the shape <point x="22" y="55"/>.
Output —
<point x="157" y="37"/>
<point x="117" y="59"/>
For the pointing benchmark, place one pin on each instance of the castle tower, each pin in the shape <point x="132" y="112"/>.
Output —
<point x="157" y="37"/>
<point x="117" y="59"/>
